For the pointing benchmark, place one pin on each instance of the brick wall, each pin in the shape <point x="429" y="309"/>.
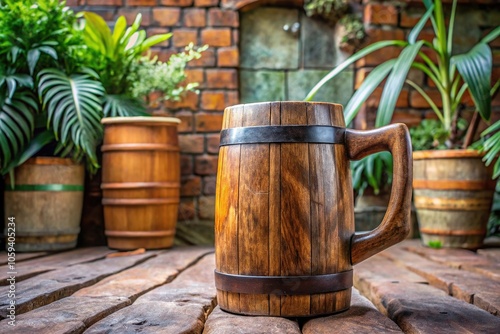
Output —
<point x="216" y="23"/>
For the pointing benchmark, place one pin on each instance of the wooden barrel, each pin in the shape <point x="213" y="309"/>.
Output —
<point x="453" y="193"/>
<point x="46" y="203"/>
<point x="140" y="181"/>
<point x="284" y="219"/>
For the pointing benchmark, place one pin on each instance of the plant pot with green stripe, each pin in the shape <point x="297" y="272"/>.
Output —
<point x="46" y="202"/>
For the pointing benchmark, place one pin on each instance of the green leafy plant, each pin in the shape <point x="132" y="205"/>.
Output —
<point x="331" y="10"/>
<point x="452" y="75"/>
<point x="60" y="75"/>
<point x="34" y="35"/>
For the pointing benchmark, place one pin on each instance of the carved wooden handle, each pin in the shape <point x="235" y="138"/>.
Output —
<point x="395" y="226"/>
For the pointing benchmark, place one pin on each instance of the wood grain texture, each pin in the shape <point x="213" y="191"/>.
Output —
<point x="180" y="306"/>
<point x="295" y="210"/>
<point x="416" y="307"/>
<point x="361" y="318"/>
<point x="140" y="183"/>
<point x="31" y="267"/>
<point x="253" y="224"/>
<point x="396" y="223"/>
<point x="46" y="220"/>
<point x="290" y="218"/>
<point x="453" y="196"/>
<point x="48" y="287"/>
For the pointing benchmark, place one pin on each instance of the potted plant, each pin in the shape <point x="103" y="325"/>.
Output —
<point x="141" y="168"/>
<point x="53" y="93"/>
<point x="453" y="75"/>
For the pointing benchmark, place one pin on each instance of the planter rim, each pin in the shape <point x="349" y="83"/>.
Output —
<point x="446" y="154"/>
<point x="51" y="161"/>
<point x="141" y="119"/>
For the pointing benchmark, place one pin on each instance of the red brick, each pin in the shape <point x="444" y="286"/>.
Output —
<point x="236" y="37"/>
<point x="186" y="209"/>
<point x="159" y="31"/>
<point x="162" y="54"/>
<point x="190" y="101"/>
<point x="195" y="75"/>
<point x="409" y="19"/>
<point x="186" y="118"/>
<point x="190" y="186"/>
<point x="361" y="75"/>
<point x="107" y="13"/>
<point x="176" y="3"/>
<point x="232" y="98"/>
<point x="186" y="164"/>
<point x="207" y="59"/>
<point x="376" y="34"/>
<point x="206" y="3"/>
<point x="378" y="57"/>
<point x="228" y="57"/>
<point x="166" y="17"/>
<point x="141" y="2"/>
<point x="131" y="13"/>
<point x="223" y="18"/>
<point x="192" y="143"/>
<point x="213" y="143"/>
<point x="205" y="164"/>
<point x="208" y="122"/>
<point x="183" y="37"/>
<point x="410" y="119"/>
<point x="222" y="78"/>
<point x="105" y="2"/>
<point x="211" y="100"/>
<point x="209" y="185"/>
<point x="418" y="101"/>
<point x="195" y="17"/>
<point x="374" y="98"/>
<point x="381" y="14"/>
<point x="216" y="36"/>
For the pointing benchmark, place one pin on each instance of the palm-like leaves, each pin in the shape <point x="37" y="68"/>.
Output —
<point x="474" y="70"/>
<point x="74" y="106"/>
<point x="17" y="122"/>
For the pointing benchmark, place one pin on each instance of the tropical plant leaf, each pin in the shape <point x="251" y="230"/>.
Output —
<point x="412" y="36"/>
<point x="119" y="29"/>
<point x="73" y="105"/>
<point x="492" y="35"/>
<point x="33" y="57"/>
<point x="153" y="40"/>
<point x="394" y="84"/>
<point x="372" y="81"/>
<point x="475" y="68"/>
<point x="16" y="125"/>
<point x="98" y="34"/>
<point x="122" y="105"/>
<point x="358" y="55"/>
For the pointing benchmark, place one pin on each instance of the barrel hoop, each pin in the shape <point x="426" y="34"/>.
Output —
<point x="441" y="203"/>
<point x="454" y="184"/>
<point x="139" y="147"/>
<point x="139" y="185"/>
<point x="434" y="231"/>
<point x="283" y="285"/>
<point x="139" y="234"/>
<point x="139" y="201"/>
<point x="318" y="134"/>
<point x="45" y="187"/>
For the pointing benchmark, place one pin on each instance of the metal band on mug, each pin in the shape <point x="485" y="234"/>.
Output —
<point x="315" y="134"/>
<point x="284" y="285"/>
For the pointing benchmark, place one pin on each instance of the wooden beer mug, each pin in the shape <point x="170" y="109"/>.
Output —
<point x="284" y="216"/>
